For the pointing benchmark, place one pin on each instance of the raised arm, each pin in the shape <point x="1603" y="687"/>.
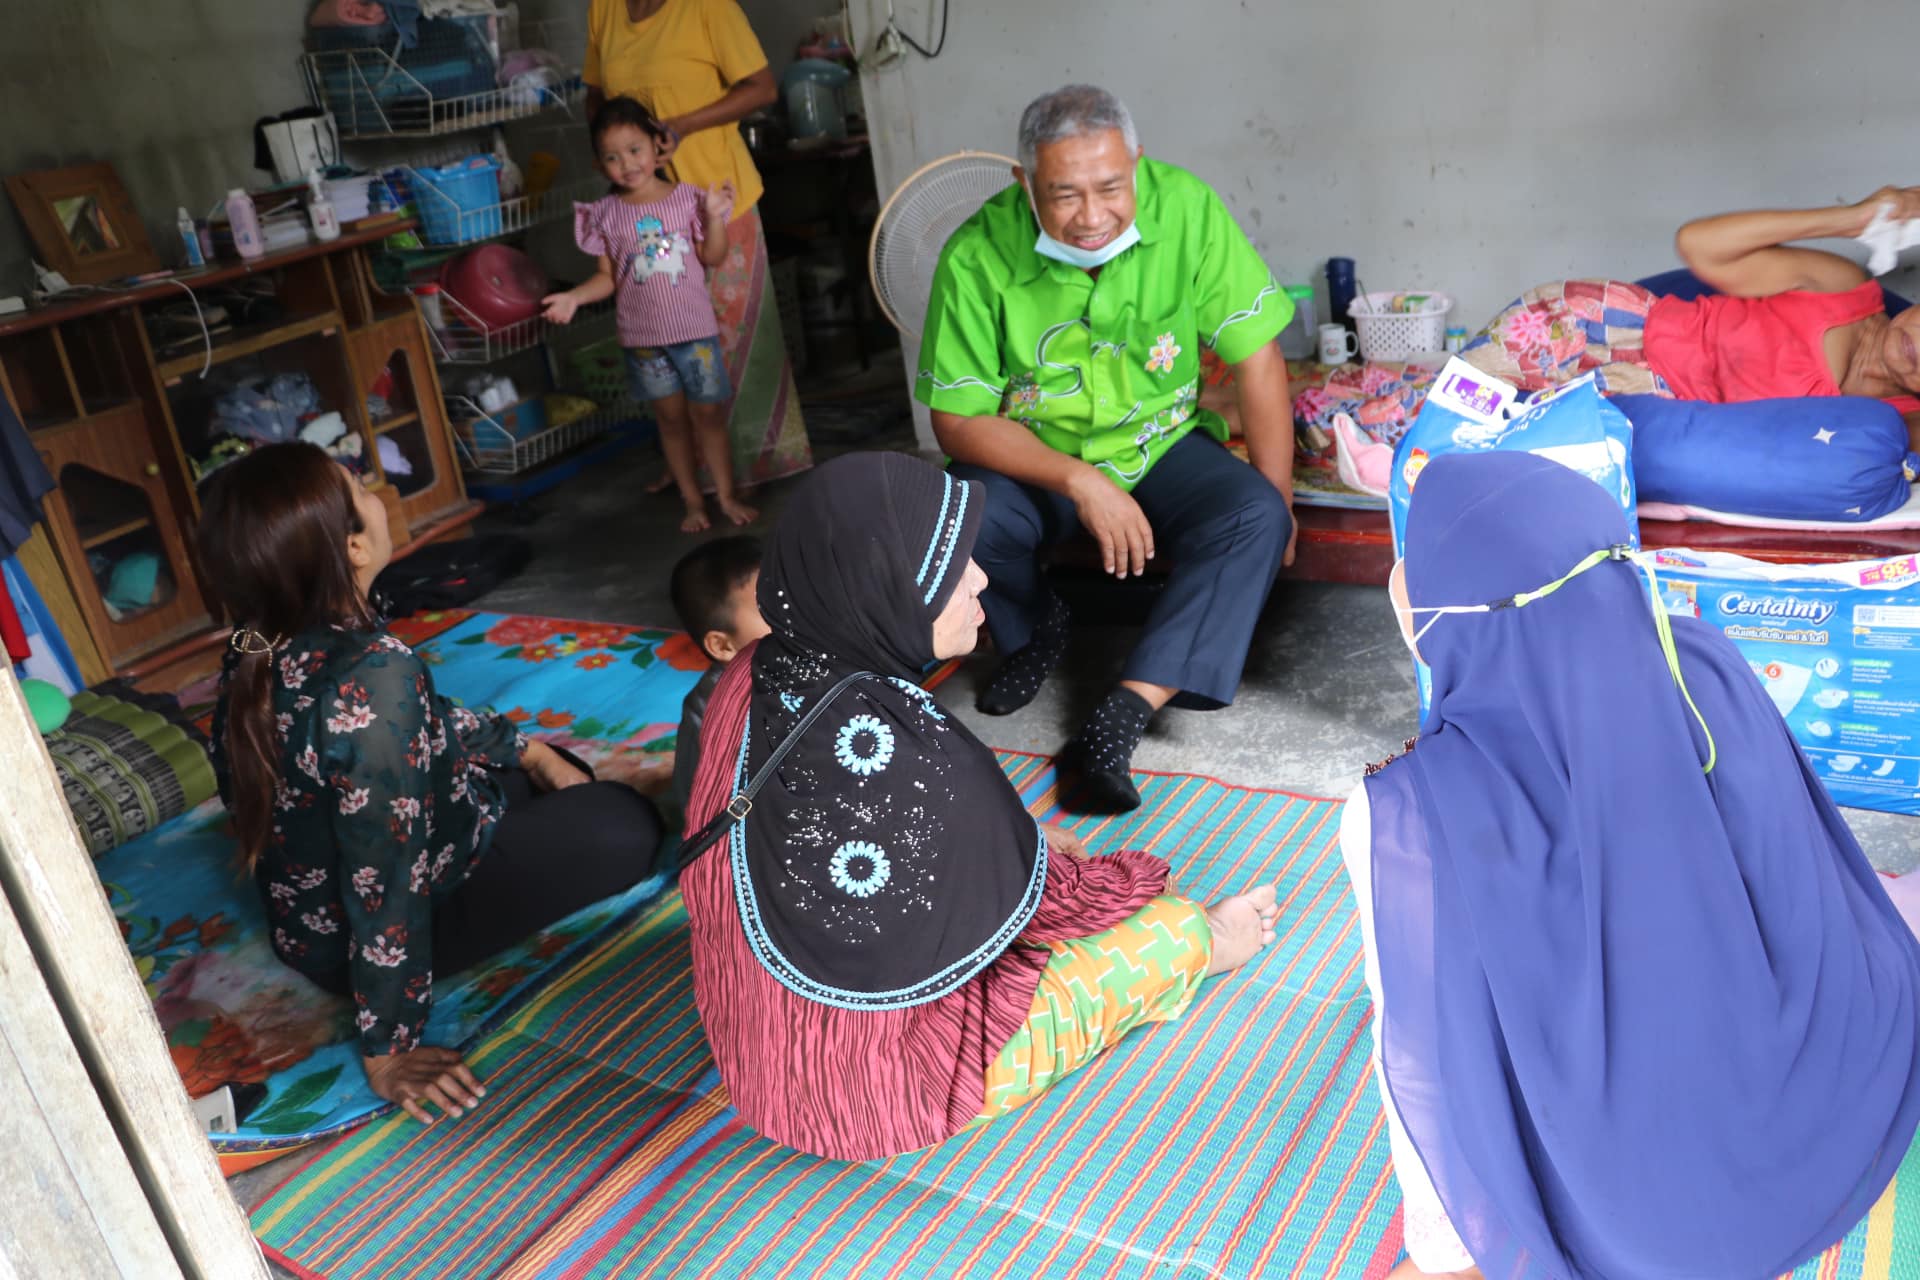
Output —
<point x="1750" y="254"/>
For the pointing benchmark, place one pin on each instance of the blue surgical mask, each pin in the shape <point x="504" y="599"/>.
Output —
<point x="1086" y="259"/>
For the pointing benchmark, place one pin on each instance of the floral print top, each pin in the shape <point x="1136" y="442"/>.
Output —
<point x="385" y="803"/>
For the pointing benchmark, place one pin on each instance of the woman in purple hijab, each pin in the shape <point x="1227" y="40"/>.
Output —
<point x="1642" y="1008"/>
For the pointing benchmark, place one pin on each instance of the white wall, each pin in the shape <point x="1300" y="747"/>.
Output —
<point x="1473" y="147"/>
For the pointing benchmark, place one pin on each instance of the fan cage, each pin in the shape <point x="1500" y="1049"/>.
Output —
<point x="916" y="223"/>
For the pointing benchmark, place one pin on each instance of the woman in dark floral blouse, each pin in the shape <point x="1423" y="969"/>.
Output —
<point x="393" y="835"/>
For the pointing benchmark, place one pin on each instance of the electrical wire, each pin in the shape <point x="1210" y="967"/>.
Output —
<point x="946" y="9"/>
<point x="206" y="337"/>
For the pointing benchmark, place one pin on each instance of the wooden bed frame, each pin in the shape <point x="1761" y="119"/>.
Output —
<point x="1357" y="546"/>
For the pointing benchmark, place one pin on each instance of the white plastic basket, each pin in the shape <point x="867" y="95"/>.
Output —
<point x="1395" y="335"/>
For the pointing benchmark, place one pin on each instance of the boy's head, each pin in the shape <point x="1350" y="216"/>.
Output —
<point x="713" y="591"/>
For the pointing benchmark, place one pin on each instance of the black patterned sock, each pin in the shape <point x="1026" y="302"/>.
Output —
<point x="1022" y="673"/>
<point x="1111" y="733"/>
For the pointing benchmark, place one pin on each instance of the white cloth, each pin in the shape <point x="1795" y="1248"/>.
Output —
<point x="1885" y="238"/>
<point x="1431" y="1241"/>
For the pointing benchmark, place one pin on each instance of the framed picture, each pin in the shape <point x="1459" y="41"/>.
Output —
<point x="82" y="223"/>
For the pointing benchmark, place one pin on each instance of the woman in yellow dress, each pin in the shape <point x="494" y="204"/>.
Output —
<point x="698" y="67"/>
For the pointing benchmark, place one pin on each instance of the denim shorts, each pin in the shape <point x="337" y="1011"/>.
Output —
<point x="694" y="369"/>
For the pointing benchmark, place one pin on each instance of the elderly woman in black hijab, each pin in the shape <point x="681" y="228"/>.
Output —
<point x="888" y="948"/>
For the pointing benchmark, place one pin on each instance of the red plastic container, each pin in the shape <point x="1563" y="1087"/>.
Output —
<point x="497" y="285"/>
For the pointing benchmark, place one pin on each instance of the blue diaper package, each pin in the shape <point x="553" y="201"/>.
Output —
<point x="1470" y="412"/>
<point x="1837" y="648"/>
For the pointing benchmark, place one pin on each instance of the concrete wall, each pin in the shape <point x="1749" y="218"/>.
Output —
<point x="1472" y="147"/>
<point x="166" y="90"/>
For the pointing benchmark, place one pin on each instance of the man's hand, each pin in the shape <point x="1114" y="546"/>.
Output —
<point x="421" y="1076"/>
<point x="1115" y="520"/>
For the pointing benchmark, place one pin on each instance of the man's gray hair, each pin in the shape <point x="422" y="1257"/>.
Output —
<point x="1071" y="112"/>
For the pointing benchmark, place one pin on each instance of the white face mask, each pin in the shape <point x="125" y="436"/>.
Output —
<point x="1086" y="259"/>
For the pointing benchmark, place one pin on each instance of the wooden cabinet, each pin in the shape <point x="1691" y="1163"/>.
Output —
<point x="120" y="537"/>
<point x="129" y="418"/>
<point x="393" y="372"/>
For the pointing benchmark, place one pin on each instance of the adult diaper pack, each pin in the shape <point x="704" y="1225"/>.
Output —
<point x="1837" y="648"/>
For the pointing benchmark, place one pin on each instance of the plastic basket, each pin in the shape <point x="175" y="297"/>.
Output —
<point x="462" y="202"/>
<point x="1387" y="334"/>
<point x="600" y="371"/>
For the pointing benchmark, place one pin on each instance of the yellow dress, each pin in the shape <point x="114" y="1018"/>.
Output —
<point x="682" y="58"/>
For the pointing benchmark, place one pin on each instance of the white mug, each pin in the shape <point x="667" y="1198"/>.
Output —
<point x="1337" y="345"/>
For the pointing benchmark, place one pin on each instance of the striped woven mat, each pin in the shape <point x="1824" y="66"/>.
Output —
<point x="1243" y="1140"/>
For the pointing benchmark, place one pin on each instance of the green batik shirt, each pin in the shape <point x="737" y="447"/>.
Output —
<point x="1106" y="370"/>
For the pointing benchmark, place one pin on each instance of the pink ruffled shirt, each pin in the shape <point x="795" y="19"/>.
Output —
<point x="660" y="286"/>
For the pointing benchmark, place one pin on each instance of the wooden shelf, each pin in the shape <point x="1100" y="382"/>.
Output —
<point x="99" y="412"/>
<point x="88" y="541"/>
<point x="249" y="343"/>
<point x="395" y="422"/>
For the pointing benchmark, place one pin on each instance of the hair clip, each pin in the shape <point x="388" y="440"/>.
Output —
<point x="247" y="640"/>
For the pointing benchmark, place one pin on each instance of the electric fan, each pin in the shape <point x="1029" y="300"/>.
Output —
<point x="915" y="224"/>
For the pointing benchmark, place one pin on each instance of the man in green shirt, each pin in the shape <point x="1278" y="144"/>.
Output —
<point x="1061" y="361"/>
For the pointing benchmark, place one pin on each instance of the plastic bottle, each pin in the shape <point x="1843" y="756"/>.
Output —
<point x="431" y="308"/>
<point x="190" y="240"/>
<point x="1340" y="290"/>
<point x="245" y="221"/>
<point x="326" y="225"/>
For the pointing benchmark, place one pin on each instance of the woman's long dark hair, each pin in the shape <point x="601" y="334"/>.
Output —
<point x="273" y="545"/>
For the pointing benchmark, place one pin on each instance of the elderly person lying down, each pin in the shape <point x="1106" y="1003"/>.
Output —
<point x="1787" y="321"/>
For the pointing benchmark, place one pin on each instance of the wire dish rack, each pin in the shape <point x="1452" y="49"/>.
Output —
<point x="488" y="448"/>
<point x="454" y="224"/>
<point x="464" y="339"/>
<point x="372" y="96"/>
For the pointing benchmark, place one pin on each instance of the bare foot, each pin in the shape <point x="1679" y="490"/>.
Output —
<point x="1241" y="926"/>
<point x="696" y="521"/>
<point x="1407" y="1271"/>
<point x="738" y="511"/>
<point x="660" y="483"/>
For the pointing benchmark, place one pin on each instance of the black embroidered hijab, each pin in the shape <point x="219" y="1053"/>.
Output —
<point x="888" y="860"/>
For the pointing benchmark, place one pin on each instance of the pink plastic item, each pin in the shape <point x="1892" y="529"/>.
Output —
<point x="496" y="285"/>
<point x="244" y="221"/>
<point x="1364" y="463"/>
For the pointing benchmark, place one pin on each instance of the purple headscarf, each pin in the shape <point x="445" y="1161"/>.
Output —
<point x="1640" y="1020"/>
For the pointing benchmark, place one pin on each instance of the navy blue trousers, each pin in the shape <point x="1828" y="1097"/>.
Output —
<point x="1219" y="523"/>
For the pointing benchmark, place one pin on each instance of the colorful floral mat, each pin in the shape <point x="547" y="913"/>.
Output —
<point x="234" y="1015"/>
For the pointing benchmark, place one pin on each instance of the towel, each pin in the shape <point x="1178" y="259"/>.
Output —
<point x="1885" y="238"/>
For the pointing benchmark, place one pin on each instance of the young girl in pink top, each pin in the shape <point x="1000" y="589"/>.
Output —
<point x="645" y="233"/>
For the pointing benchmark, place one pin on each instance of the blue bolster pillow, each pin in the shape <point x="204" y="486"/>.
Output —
<point x="1833" y="459"/>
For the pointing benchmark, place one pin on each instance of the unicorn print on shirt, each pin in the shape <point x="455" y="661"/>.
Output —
<point x="662" y="252"/>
